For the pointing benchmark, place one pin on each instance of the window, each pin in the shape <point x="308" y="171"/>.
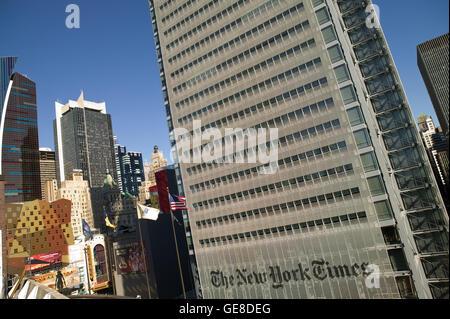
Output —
<point x="376" y="185"/>
<point x="322" y="16"/>
<point x="348" y="94"/>
<point x="315" y="3"/>
<point x="383" y="210"/>
<point x="335" y="53"/>
<point x="355" y="116"/>
<point x="369" y="162"/>
<point x="341" y="73"/>
<point x="329" y="34"/>
<point x="99" y="260"/>
<point x="362" y="138"/>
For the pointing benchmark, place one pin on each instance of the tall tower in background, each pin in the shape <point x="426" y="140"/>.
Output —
<point x="353" y="185"/>
<point x="75" y="189"/>
<point x="435" y="144"/>
<point x="158" y="161"/>
<point x="47" y="162"/>
<point x="432" y="58"/>
<point x="84" y="141"/>
<point x="19" y="157"/>
<point x="130" y="170"/>
<point x="6" y="70"/>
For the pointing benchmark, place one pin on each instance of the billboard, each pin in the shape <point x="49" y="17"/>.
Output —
<point x="44" y="261"/>
<point x="130" y="259"/>
<point x="71" y="277"/>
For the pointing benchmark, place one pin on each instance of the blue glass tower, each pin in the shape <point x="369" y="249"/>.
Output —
<point x="19" y="156"/>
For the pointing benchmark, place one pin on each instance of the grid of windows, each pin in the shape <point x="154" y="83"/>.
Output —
<point x="309" y="155"/>
<point x="277" y="39"/>
<point x="321" y="106"/>
<point x="178" y="10"/>
<point x="292" y="182"/>
<point x="308" y="226"/>
<point x="259" y="29"/>
<point x="298" y="136"/>
<point x="191" y="17"/>
<point x="240" y="58"/>
<point x="244" y="36"/>
<point x="236" y="23"/>
<point x="241" y="76"/>
<point x="324" y="174"/>
<point x="294" y="93"/>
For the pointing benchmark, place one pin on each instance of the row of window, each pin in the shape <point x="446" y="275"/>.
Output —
<point x="240" y="58"/>
<point x="219" y="16"/>
<point x="166" y="4"/>
<point x="284" y="120"/>
<point x="259" y="47"/>
<point x="309" y="155"/>
<point x="300" y="69"/>
<point x="275" y="21"/>
<point x="179" y="9"/>
<point x="294" y="182"/>
<point x="301" y="90"/>
<point x="203" y="9"/>
<point x="304" y="227"/>
<point x="308" y="177"/>
<point x="298" y="136"/>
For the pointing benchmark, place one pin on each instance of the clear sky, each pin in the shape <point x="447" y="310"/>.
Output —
<point x="112" y="59"/>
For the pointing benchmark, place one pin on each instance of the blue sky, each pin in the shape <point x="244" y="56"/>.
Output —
<point x="112" y="59"/>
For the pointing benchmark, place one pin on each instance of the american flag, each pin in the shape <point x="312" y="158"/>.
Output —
<point x="177" y="202"/>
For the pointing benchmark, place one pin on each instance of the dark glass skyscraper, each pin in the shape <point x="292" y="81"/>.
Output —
<point x="84" y="141"/>
<point x="131" y="167"/>
<point x="19" y="138"/>
<point x="432" y="58"/>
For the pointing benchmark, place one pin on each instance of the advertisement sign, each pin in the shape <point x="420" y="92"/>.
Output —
<point x="130" y="259"/>
<point x="71" y="277"/>
<point x="44" y="261"/>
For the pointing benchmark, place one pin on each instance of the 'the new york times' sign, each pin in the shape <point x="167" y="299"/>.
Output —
<point x="318" y="270"/>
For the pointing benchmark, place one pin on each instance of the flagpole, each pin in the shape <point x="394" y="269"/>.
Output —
<point x="145" y="258"/>
<point x="178" y="255"/>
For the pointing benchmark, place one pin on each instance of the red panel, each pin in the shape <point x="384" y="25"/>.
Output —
<point x="163" y="191"/>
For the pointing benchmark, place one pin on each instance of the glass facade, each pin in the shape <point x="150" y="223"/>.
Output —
<point x="432" y="59"/>
<point x="84" y="141"/>
<point x="20" y="142"/>
<point x="322" y="224"/>
<point x="131" y="168"/>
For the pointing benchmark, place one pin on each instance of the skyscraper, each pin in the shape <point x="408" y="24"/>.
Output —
<point x="19" y="157"/>
<point x="130" y="169"/>
<point x="47" y="162"/>
<point x="84" y="140"/>
<point x="352" y="186"/>
<point x="77" y="191"/>
<point x="7" y="65"/>
<point x="432" y="58"/>
<point x="436" y="147"/>
<point x="158" y="161"/>
<point x="6" y="69"/>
